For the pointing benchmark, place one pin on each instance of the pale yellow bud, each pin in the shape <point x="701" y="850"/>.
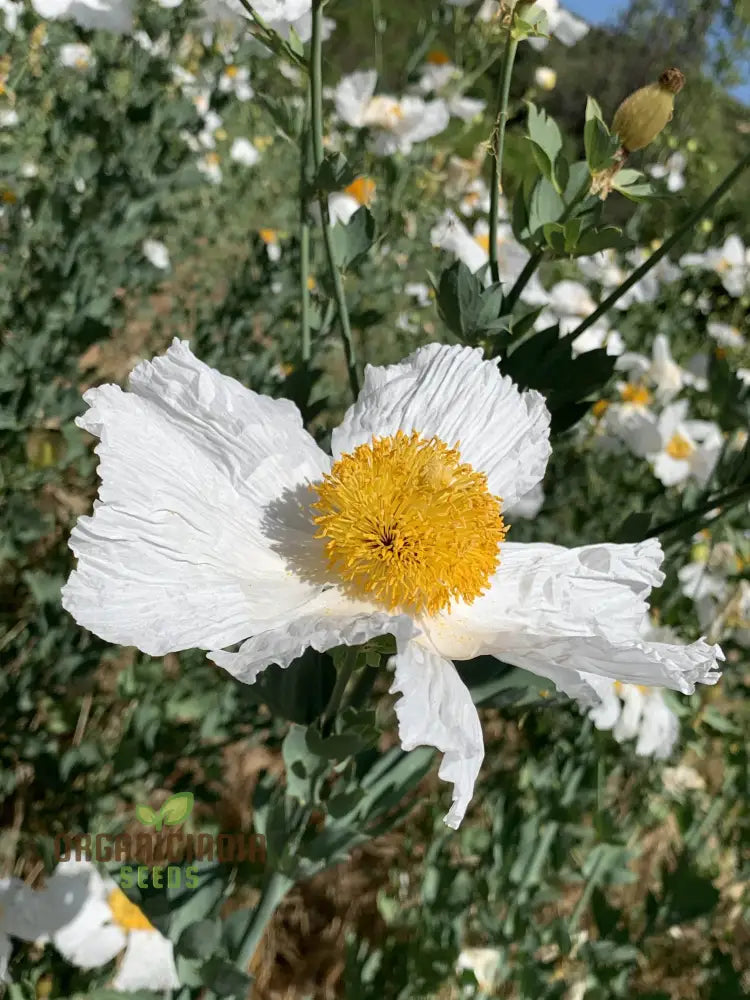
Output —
<point x="643" y="115"/>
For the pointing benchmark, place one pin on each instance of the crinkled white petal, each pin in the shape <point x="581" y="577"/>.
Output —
<point x="329" y="620"/>
<point x="435" y="709"/>
<point x="607" y="712"/>
<point x="148" y="964"/>
<point x="183" y="548"/>
<point x="628" y="724"/>
<point x="564" y="613"/>
<point x="352" y="95"/>
<point x="6" y="949"/>
<point x="78" y="917"/>
<point x="453" y="394"/>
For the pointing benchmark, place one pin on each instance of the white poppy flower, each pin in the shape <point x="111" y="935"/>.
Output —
<point x="729" y="261"/>
<point x="527" y="506"/>
<point x="673" y="171"/>
<point x="597" y="336"/>
<point x="22" y="916"/>
<point x="236" y="80"/>
<point x="634" y="711"/>
<point x="12" y="11"/>
<point x="97" y="922"/>
<point x="660" y="371"/>
<point x="242" y="151"/>
<point x="109" y="15"/>
<point x="210" y="166"/>
<point x="561" y="24"/>
<point x="602" y="267"/>
<point x="396" y="124"/>
<point x="687" y="449"/>
<point x="726" y="334"/>
<point x="450" y="234"/>
<point x="75" y="55"/>
<point x="220" y="518"/>
<point x="483" y="962"/>
<point x="156" y="254"/>
<point x="8" y="118"/>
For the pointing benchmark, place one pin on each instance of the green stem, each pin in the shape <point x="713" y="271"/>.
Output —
<point x="666" y="246"/>
<point x="345" y="672"/>
<point x="591" y="883"/>
<point x="377" y="20"/>
<point x="271" y="38"/>
<point x="304" y="266"/>
<point x="274" y="890"/>
<point x="727" y="499"/>
<point x="316" y="96"/>
<point x="498" y="148"/>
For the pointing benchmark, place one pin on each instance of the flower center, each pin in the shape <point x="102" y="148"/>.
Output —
<point x="126" y="914"/>
<point x="636" y="394"/>
<point x="231" y="71"/>
<point x="679" y="447"/>
<point x="362" y="190"/>
<point x="436" y="57"/>
<point x="384" y="112"/>
<point x="483" y="239"/>
<point x="406" y="522"/>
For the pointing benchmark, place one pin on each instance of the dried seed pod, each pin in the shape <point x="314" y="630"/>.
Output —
<point x="642" y="116"/>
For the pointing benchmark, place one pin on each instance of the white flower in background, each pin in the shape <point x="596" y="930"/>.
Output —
<point x="343" y="204"/>
<point x="450" y="234"/>
<point x="154" y="46"/>
<point x="661" y="372"/>
<point x="277" y="13"/>
<point x="8" y="118"/>
<point x="169" y="4"/>
<point x="475" y="199"/>
<point x="96" y="928"/>
<point x="75" y="55"/>
<point x="396" y="124"/>
<point x="630" y="419"/>
<point x="21" y="916"/>
<point x="681" y="779"/>
<point x="688" y="449"/>
<point x="731" y="262"/>
<point x="636" y="712"/>
<point x="726" y="334"/>
<point x="649" y="286"/>
<point x="12" y="11"/>
<point x="561" y="24"/>
<point x="483" y="962"/>
<point x="109" y="15"/>
<point x="270" y="238"/>
<point x="673" y="171"/>
<point x="220" y="518"/>
<point x="420" y="291"/>
<point x="156" y="253"/>
<point x="242" y="151"/>
<point x="567" y="303"/>
<point x="602" y="267"/>
<point x="236" y="80"/>
<point x="545" y="78"/>
<point x="743" y="374"/>
<point x="597" y="336"/>
<point x="210" y="166"/>
<point x="436" y="77"/>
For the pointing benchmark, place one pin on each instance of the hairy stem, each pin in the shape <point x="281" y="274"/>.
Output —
<point x="498" y="148"/>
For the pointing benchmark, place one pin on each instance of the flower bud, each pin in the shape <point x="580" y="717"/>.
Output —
<point x="642" y="116"/>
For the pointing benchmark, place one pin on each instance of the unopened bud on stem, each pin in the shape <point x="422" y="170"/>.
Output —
<point x="643" y="115"/>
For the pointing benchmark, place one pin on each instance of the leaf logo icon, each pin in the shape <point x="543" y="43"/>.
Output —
<point x="175" y="810"/>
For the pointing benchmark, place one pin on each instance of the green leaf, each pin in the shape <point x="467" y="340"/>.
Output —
<point x="301" y="691"/>
<point x="545" y="205"/>
<point x="302" y="766"/>
<point x="146" y="815"/>
<point x="598" y="142"/>
<point x="334" y="174"/>
<point x="546" y="140"/>
<point x="634" y="528"/>
<point x="225" y="980"/>
<point x="687" y="894"/>
<point x="200" y="940"/>
<point x="352" y="241"/>
<point x="177" y="808"/>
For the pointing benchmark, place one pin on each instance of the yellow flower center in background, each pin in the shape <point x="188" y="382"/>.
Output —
<point x="637" y="394"/>
<point x="679" y="447"/>
<point x="483" y="239"/>
<point x="436" y="57"/>
<point x="126" y="914"/>
<point x="600" y="407"/>
<point x="409" y="524"/>
<point x="231" y="71"/>
<point x="362" y="190"/>
<point x="268" y="235"/>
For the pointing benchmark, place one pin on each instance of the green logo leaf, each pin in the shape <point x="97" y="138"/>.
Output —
<point x="146" y="815"/>
<point x="177" y="808"/>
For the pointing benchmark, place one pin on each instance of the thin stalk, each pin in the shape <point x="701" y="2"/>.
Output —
<point x="274" y="890"/>
<point x="272" y="39"/>
<point x="304" y="266"/>
<point x="727" y="499"/>
<point x="666" y="246"/>
<point x="498" y="148"/>
<point x="377" y="20"/>
<point x="316" y="101"/>
<point x="344" y="674"/>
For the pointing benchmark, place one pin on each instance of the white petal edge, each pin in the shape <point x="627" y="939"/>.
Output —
<point x="329" y="620"/>
<point x="451" y="392"/>
<point x="148" y="964"/>
<point x="435" y="709"/>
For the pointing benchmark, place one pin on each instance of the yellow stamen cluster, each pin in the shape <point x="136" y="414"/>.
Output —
<point x="678" y="447"/>
<point x="409" y="524"/>
<point x="636" y="394"/>
<point x="126" y="914"/>
<point x="362" y="190"/>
